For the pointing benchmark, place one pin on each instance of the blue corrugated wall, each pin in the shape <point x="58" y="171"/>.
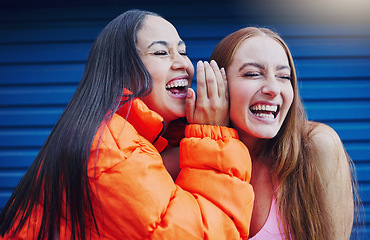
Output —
<point x="44" y="46"/>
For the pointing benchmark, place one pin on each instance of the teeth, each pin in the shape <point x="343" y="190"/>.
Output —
<point x="265" y="115"/>
<point x="178" y="83"/>
<point x="260" y="107"/>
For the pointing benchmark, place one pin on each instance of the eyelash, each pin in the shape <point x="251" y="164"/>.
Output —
<point x="286" y="77"/>
<point x="257" y="74"/>
<point x="162" y="53"/>
<point x="251" y="74"/>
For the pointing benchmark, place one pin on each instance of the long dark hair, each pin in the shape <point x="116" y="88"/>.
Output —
<point x="58" y="179"/>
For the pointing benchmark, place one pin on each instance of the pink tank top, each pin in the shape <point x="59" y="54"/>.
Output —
<point x="270" y="229"/>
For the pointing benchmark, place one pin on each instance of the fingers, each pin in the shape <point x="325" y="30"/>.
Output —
<point x="211" y="79"/>
<point x="211" y="104"/>
<point x="201" y="83"/>
<point x="220" y="80"/>
<point x="216" y="81"/>
<point x="190" y="105"/>
<point x="225" y="85"/>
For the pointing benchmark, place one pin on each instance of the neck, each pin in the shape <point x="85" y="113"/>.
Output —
<point x="255" y="146"/>
<point x="251" y="143"/>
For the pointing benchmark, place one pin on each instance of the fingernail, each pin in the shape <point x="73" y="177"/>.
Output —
<point x="200" y="63"/>
<point x="223" y="71"/>
<point x="213" y="63"/>
<point x="206" y="63"/>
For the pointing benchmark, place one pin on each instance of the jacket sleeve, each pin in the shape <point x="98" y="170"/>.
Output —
<point x="216" y="167"/>
<point x="134" y="197"/>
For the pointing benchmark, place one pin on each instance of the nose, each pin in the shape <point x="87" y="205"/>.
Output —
<point x="271" y="86"/>
<point x="180" y="62"/>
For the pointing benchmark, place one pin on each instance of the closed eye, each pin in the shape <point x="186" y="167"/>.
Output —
<point x="252" y="74"/>
<point x="160" y="53"/>
<point x="286" y="77"/>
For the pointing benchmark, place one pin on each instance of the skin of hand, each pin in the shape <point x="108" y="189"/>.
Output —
<point x="211" y="106"/>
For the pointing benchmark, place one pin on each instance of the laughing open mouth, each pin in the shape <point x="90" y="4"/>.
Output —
<point x="265" y="111"/>
<point x="177" y="87"/>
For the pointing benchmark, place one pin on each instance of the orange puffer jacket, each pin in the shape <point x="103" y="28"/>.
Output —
<point x="134" y="197"/>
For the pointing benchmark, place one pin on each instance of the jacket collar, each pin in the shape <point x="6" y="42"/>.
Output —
<point x="147" y="123"/>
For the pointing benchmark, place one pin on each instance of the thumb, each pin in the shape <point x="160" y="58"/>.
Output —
<point x="190" y="105"/>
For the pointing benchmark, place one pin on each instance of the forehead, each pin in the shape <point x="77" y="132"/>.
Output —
<point x="262" y="49"/>
<point x="156" y="29"/>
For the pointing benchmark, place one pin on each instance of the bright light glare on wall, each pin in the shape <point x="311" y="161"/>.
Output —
<point x="337" y="10"/>
<point x="315" y="11"/>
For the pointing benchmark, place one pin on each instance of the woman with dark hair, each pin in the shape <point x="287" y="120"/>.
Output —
<point x="100" y="174"/>
<point x="301" y="172"/>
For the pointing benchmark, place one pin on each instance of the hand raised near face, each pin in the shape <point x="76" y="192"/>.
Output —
<point x="211" y="105"/>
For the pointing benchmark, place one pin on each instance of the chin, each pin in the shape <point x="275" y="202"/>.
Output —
<point x="266" y="135"/>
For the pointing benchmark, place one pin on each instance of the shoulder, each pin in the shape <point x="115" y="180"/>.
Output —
<point x="325" y="140"/>
<point x="118" y="133"/>
<point x="334" y="170"/>
<point x="323" y="134"/>
<point x="328" y="152"/>
<point x="117" y="140"/>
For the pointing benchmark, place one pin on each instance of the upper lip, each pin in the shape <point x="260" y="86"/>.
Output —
<point x="180" y="77"/>
<point x="184" y="77"/>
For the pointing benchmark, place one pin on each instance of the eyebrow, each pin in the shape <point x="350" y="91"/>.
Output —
<point x="254" y="64"/>
<point x="282" y="67"/>
<point x="165" y="43"/>
<point x="260" y="66"/>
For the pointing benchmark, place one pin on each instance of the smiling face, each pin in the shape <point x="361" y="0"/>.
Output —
<point x="260" y="89"/>
<point x="164" y="55"/>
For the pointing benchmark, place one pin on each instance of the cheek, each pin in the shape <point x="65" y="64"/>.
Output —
<point x="239" y="94"/>
<point x="239" y="98"/>
<point x="158" y="78"/>
<point x="290" y="95"/>
<point x="154" y="67"/>
<point x="154" y="72"/>
<point x="190" y="70"/>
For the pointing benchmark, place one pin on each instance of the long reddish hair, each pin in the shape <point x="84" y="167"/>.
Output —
<point x="290" y="156"/>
